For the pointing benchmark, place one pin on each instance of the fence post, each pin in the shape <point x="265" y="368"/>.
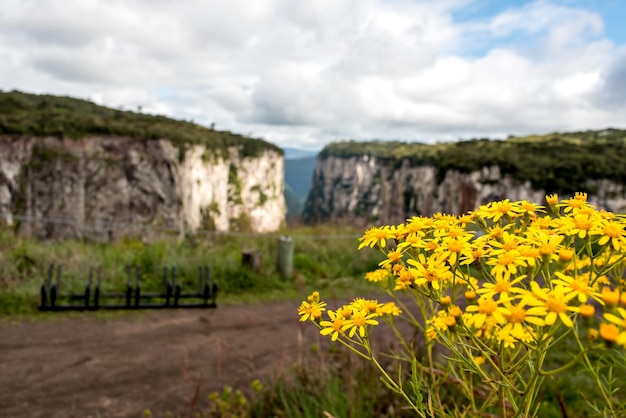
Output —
<point x="285" y="257"/>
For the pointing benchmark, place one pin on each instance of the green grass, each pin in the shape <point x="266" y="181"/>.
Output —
<point x="325" y="258"/>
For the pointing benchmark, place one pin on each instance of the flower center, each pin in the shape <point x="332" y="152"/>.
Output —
<point x="556" y="305"/>
<point x="502" y="287"/>
<point x="487" y="306"/>
<point x="358" y="321"/>
<point x="430" y="276"/>
<point x="612" y="230"/>
<point x="582" y="223"/>
<point x="455" y="246"/>
<point x="517" y="315"/>
<point x="507" y="258"/>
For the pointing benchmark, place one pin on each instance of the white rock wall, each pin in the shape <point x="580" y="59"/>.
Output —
<point x="365" y="190"/>
<point x="107" y="187"/>
<point x="233" y="191"/>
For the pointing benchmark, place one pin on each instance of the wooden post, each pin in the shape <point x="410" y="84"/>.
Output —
<point x="285" y="257"/>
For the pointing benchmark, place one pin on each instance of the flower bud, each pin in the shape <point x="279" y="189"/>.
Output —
<point x="470" y="295"/>
<point x="565" y="255"/>
<point x="587" y="313"/>
<point x="552" y="199"/>
<point x="609" y="333"/>
<point x="610" y="297"/>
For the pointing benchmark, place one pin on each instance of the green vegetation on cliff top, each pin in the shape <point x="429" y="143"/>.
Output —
<point x="64" y="117"/>
<point x="558" y="162"/>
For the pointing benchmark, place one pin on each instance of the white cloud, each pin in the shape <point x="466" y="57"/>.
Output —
<point x="308" y="72"/>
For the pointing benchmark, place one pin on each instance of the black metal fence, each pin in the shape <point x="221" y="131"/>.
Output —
<point x="92" y="299"/>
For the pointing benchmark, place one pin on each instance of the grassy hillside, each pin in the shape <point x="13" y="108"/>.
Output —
<point x="558" y="162"/>
<point x="65" y="117"/>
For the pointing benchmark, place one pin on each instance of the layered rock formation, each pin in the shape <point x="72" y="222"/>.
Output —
<point x="366" y="189"/>
<point x="105" y="187"/>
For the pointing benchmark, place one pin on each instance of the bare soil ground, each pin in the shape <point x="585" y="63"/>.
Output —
<point x="83" y="366"/>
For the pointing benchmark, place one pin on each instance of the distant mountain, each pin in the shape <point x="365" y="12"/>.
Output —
<point x="298" y="181"/>
<point x="297" y="153"/>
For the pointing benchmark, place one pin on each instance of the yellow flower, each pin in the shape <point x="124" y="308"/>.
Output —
<point x="577" y="286"/>
<point x="580" y="224"/>
<point x="613" y="232"/>
<point x="311" y="310"/>
<point x="473" y="254"/>
<point x="417" y="224"/>
<point x="334" y="326"/>
<point x="404" y="279"/>
<point x="587" y="314"/>
<point x="485" y="309"/>
<point x="541" y="223"/>
<point x="389" y="308"/>
<point x="552" y="199"/>
<point x="359" y="321"/>
<point x="470" y="294"/>
<point x="530" y="254"/>
<point x="555" y="301"/>
<point x="314" y="297"/>
<point x="617" y="320"/>
<point x="505" y="242"/>
<point x="366" y="305"/>
<point x="548" y="244"/>
<point x="506" y="264"/>
<point x="510" y="336"/>
<point x="412" y="240"/>
<point x="450" y="248"/>
<point x="377" y="275"/>
<point x="393" y="257"/>
<point x="479" y="360"/>
<point x="502" y="287"/>
<point x="609" y="332"/>
<point x="574" y="204"/>
<point x="518" y="318"/>
<point x="430" y="272"/>
<point x="455" y="311"/>
<point x="497" y="210"/>
<point x="610" y="297"/>
<point x="376" y="236"/>
<point x="441" y="322"/>
<point x="566" y="255"/>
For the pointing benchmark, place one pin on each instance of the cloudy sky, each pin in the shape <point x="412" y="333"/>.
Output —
<point x="304" y="73"/>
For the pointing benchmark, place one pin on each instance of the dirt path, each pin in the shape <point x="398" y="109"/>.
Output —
<point x="88" y="367"/>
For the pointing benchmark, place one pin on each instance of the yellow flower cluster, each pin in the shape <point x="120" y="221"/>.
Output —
<point x="348" y="319"/>
<point x="506" y="273"/>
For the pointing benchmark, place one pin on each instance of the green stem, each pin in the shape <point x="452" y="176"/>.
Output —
<point x="392" y="383"/>
<point x="607" y="398"/>
<point x="563" y="367"/>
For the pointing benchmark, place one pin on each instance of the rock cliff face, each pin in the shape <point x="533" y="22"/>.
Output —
<point x="104" y="187"/>
<point x="365" y="190"/>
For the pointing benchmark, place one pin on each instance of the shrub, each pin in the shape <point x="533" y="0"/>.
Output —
<point x="506" y="297"/>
